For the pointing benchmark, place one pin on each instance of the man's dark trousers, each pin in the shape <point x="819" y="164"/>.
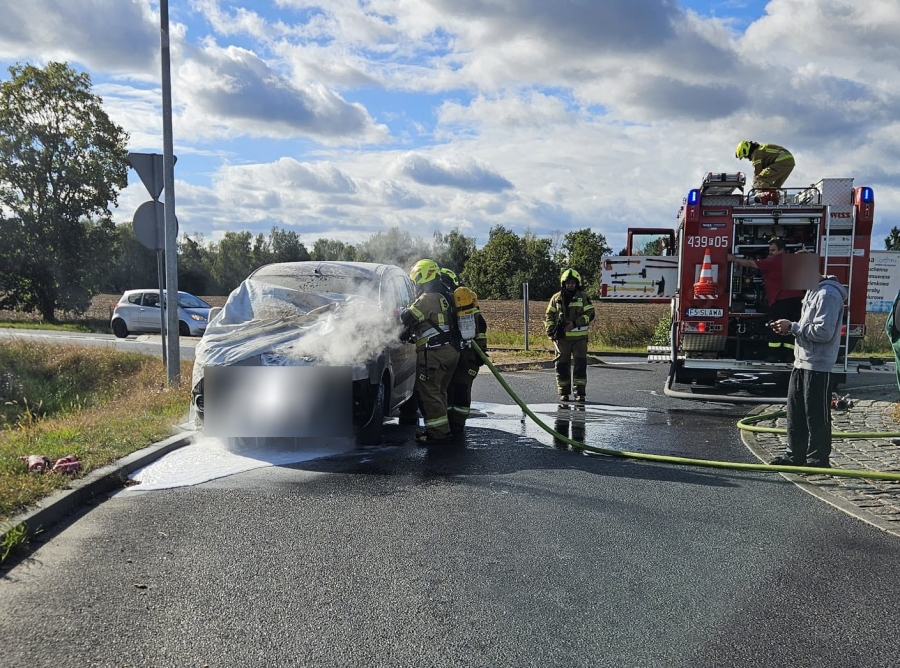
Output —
<point x="809" y="417"/>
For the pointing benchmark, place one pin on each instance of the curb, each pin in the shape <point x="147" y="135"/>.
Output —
<point x="62" y="503"/>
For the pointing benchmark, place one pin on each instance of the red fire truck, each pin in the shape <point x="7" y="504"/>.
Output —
<point x="719" y="309"/>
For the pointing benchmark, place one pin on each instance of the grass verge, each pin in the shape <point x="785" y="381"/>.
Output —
<point x="96" y="403"/>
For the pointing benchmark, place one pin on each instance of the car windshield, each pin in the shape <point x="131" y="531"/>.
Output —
<point x="342" y="285"/>
<point x="190" y="301"/>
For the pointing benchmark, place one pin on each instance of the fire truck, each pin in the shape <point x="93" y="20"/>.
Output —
<point x="719" y="309"/>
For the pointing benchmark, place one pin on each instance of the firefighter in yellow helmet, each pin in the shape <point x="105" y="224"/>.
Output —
<point x="459" y="394"/>
<point x="772" y="164"/>
<point x="569" y="314"/>
<point x="427" y="322"/>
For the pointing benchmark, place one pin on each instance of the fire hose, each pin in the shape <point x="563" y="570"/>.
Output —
<point x="744" y="424"/>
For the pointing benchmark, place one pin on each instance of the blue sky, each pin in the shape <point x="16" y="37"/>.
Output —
<point x="344" y="118"/>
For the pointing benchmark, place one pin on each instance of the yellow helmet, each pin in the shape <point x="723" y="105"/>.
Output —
<point x="450" y="277"/>
<point x="743" y="150"/>
<point x="567" y="274"/>
<point x="424" y="271"/>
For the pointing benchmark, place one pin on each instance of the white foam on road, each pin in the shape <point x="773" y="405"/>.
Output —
<point x="211" y="458"/>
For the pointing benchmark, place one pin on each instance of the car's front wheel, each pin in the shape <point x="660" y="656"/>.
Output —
<point x="183" y="329"/>
<point x="119" y="328"/>
<point x="370" y="433"/>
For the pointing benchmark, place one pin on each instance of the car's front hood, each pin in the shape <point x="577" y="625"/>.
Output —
<point x="293" y="328"/>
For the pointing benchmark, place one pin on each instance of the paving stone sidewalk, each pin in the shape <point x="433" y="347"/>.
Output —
<point x="874" y="501"/>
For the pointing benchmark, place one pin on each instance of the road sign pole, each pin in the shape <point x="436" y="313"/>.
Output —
<point x="174" y="362"/>
<point x="160" y="268"/>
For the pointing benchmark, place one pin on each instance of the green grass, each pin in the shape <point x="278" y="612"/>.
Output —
<point x="87" y="326"/>
<point x="96" y="403"/>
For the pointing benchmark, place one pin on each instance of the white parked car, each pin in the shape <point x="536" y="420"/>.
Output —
<point x="138" y="311"/>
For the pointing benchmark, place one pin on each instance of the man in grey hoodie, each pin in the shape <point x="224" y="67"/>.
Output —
<point x="818" y="340"/>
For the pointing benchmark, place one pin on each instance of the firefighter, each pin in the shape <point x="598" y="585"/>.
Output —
<point x="459" y="394"/>
<point x="569" y="314"/>
<point x="772" y="164"/>
<point x="427" y="322"/>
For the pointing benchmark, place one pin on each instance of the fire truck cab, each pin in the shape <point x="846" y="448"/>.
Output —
<point x="719" y="309"/>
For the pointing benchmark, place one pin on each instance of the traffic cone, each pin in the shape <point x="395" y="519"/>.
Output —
<point x="705" y="288"/>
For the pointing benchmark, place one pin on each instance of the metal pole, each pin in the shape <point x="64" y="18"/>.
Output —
<point x="162" y="317"/>
<point x="525" y="299"/>
<point x="173" y="342"/>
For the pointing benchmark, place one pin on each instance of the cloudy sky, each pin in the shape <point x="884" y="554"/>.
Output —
<point x="349" y="117"/>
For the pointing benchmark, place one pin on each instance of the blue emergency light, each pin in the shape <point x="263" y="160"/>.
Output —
<point x="866" y="196"/>
<point x="693" y="197"/>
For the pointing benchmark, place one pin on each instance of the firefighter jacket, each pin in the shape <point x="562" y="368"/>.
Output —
<point x="427" y="320"/>
<point x="767" y="155"/>
<point x="562" y="310"/>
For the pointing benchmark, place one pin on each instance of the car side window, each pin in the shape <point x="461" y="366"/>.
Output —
<point x="135" y="298"/>
<point x="151" y="299"/>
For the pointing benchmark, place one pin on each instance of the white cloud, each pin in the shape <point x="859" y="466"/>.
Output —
<point x="110" y="35"/>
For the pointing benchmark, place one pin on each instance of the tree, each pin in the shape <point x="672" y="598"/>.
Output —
<point x="233" y="261"/>
<point x="261" y="254"/>
<point x="453" y="250"/>
<point x="131" y="264"/>
<point x="194" y="266"/>
<point x="286" y="246"/>
<point x="583" y="250"/>
<point x="331" y="249"/>
<point x="62" y="163"/>
<point x="892" y="240"/>
<point x="498" y="270"/>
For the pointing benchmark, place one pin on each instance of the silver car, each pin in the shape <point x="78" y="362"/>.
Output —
<point x="138" y="311"/>
<point x="309" y="317"/>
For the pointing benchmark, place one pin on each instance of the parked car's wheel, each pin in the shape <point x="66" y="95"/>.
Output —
<point x="370" y="433"/>
<point x="183" y="329"/>
<point x="119" y="328"/>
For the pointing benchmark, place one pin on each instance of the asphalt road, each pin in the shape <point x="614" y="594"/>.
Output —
<point x="507" y="552"/>
<point x="147" y="344"/>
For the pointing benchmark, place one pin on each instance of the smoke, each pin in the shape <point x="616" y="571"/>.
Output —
<point x="352" y="332"/>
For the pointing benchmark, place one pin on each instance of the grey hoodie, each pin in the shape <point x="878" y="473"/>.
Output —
<point x="818" y="333"/>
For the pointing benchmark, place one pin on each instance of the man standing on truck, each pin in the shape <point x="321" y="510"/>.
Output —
<point x="818" y="336"/>
<point x="427" y="322"/>
<point x="782" y="303"/>
<point x="772" y="164"/>
<point x="569" y="314"/>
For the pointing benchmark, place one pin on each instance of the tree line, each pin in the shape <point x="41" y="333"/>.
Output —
<point x="497" y="270"/>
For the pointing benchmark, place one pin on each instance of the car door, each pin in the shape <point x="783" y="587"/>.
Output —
<point x="397" y="294"/>
<point x="149" y="313"/>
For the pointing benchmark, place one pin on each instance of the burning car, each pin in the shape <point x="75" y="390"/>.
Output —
<point x="314" y="314"/>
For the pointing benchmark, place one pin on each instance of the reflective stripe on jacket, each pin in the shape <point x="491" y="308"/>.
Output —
<point x="429" y="306"/>
<point x="580" y="312"/>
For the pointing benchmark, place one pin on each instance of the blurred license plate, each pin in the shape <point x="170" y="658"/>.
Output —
<point x="705" y="312"/>
<point x="277" y="401"/>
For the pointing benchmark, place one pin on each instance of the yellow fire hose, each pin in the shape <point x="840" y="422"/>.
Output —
<point x="744" y="424"/>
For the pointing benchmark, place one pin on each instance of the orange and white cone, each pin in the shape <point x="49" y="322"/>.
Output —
<point x="705" y="288"/>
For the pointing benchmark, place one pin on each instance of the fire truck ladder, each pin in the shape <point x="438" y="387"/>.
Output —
<point x="830" y="262"/>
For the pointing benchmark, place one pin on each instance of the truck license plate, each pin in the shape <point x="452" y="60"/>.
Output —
<point x="704" y="313"/>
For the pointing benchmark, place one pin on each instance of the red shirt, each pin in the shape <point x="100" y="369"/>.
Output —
<point x="771" y="270"/>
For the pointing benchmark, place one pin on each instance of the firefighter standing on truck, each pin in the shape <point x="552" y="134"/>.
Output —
<point x="427" y="321"/>
<point x="459" y="394"/>
<point x="772" y="164"/>
<point x="569" y="314"/>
